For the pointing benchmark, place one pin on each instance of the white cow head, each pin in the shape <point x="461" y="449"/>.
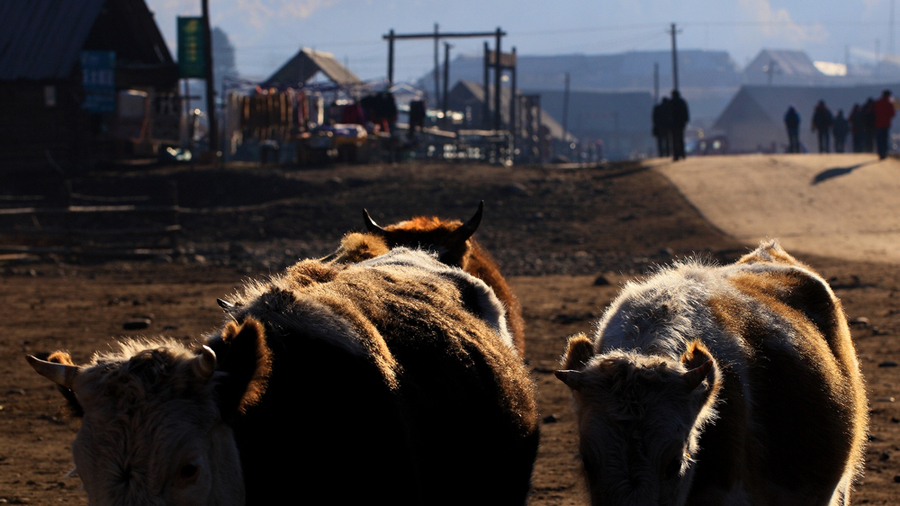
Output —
<point x="154" y="418"/>
<point x="639" y="420"/>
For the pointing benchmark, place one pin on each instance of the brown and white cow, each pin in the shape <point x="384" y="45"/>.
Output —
<point x="390" y="381"/>
<point x="452" y="241"/>
<point x="731" y="385"/>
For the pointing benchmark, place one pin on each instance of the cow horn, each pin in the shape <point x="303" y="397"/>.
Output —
<point x="466" y="230"/>
<point x="371" y="226"/>
<point x="571" y="378"/>
<point x="61" y="374"/>
<point x="204" y="365"/>
<point x="695" y="376"/>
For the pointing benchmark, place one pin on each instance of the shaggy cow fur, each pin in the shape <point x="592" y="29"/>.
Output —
<point x="721" y="385"/>
<point x="392" y="381"/>
<point x="451" y="241"/>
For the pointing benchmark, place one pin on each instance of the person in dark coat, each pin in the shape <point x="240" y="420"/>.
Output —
<point x="868" y="117"/>
<point x="839" y="130"/>
<point x="821" y="123"/>
<point x="662" y="125"/>
<point x="884" y="113"/>
<point x="680" y="118"/>
<point x="792" y="123"/>
<point x="856" y="128"/>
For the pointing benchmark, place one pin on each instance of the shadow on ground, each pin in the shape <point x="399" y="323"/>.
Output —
<point x="834" y="172"/>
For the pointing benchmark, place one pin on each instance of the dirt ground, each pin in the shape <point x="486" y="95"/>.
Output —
<point x="565" y="238"/>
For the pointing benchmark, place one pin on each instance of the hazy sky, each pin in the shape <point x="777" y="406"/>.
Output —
<point x="268" y="32"/>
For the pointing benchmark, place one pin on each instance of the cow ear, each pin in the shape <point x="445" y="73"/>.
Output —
<point x="59" y="368"/>
<point x="700" y="366"/>
<point x="579" y="351"/>
<point x="246" y="364"/>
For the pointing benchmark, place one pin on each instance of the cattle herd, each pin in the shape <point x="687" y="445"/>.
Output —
<point x="393" y="370"/>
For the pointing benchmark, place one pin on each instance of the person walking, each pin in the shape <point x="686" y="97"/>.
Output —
<point x="839" y="130"/>
<point x="856" y="128"/>
<point x="680" y="118"/>
<point x="821" y="124"/>
<point x="662" y="125"/>
<point x="868" y="121"/>
<point x="792" y="123"/>
<point x="884" y="113"/>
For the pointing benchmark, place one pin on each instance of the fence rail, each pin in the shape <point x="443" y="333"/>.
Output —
<point x="81" y="230"/>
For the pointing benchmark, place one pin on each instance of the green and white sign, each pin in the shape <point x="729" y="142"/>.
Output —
<point x="191" y="61"/>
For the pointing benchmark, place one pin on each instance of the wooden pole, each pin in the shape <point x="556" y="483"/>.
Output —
<point x="674" y="60"/>
<point x="213" y="132"/>
<point x="565" y="113"/>
<point x="445" y="101"/>
<point x="497" y="73"/>
<point x="437" y="66"/>
<point x="485" y="122"/>
<point x="512" y="105"/>
<point x="656" y="83"/>
<point x="390" y="76"/>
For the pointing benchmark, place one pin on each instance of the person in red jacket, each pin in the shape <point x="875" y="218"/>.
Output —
<point x="884" y="112"/>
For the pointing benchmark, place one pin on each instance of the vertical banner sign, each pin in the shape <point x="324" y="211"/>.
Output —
<point x="98" y="78"/>
<point x="191" y="62"/>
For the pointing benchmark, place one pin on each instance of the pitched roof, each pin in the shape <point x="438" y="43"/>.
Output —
<point x="630" y="70"/>
<point x="468" y="93"/>
<point x="790" y="67"/>
<point x="305" y="64"/>
<point x="602" y="111"/>
<point x="755" y="116"/>
<point x="42" y="39"/>
<point x="773" y="101"/>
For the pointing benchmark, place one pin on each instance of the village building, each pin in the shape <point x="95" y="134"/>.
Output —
<point x="83" y="82"/>
<point x="620" y="121"/>
<point x="754" y="119"/>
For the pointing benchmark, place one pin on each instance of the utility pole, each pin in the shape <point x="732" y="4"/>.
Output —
<point x="891" y="33"/>
<point x="390" y="78"/>
<point x="486" y="109"/>
<point x="445" y="102"/>
<point x="656" y="82"/>
<point x="847" y="58"/>
<point x="437" y="93"/>
<point x="565" y="112"/>
<point x="213" y="132"/>
<point x="497" y="72"/>
<point x="674" y="59"/>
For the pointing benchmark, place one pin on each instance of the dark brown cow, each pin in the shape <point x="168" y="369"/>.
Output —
<point x="732" y="385"/>
<point x="453" y="243"/>
<point x="390" y="381"/>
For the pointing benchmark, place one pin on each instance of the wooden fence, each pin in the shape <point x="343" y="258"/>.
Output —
<point x="89" y="226"/>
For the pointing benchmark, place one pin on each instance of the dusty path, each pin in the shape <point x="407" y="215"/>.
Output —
<point x="566" y="240"/>
<point x="838" y="205"/>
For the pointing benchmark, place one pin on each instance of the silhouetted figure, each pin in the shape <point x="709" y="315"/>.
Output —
<point x="884" y="113"/>
<point x="868" y="121"/>
<point x="662" y="126"/>
<point x="680" y="118"/>
<point x="856" y="128"/>
<point x="821" y="124"/>
<point x="792" y="123"/>
<point x="839" y="130"/>
<point x="417" y="114"/>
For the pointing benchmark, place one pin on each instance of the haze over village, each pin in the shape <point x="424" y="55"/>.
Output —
<point x="624" y="50"/>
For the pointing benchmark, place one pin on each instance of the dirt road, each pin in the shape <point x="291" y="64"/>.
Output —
<point x="836" y="205"/>
<point x="565" y="239"/>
